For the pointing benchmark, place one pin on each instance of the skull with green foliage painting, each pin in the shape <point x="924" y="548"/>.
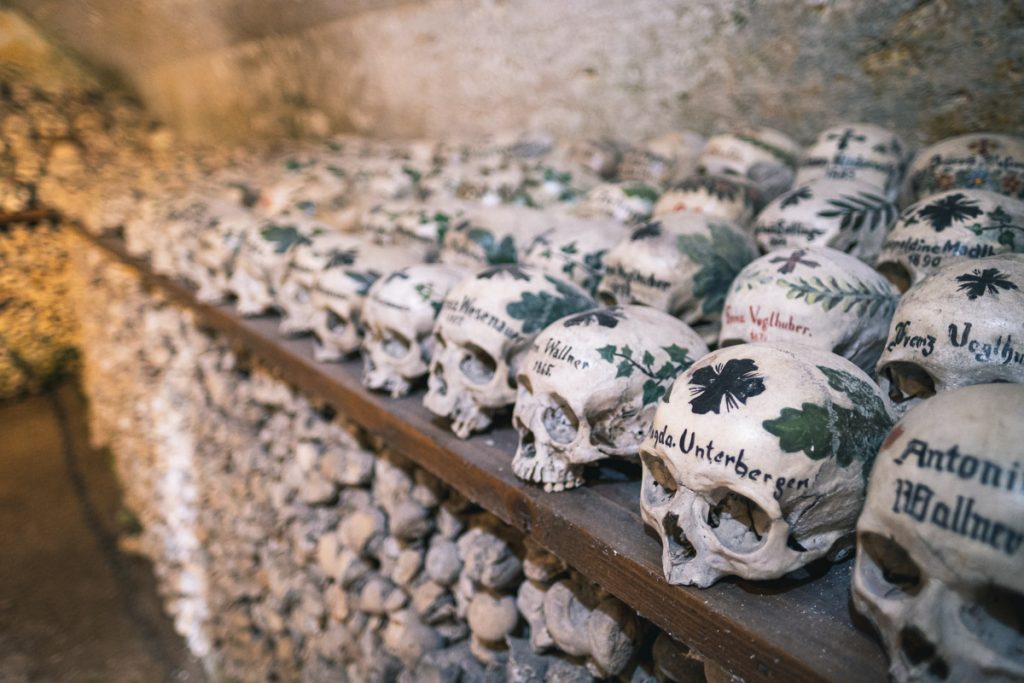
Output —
<point x="491" y="236"/>
<point x="573" y="248"/>
<point x="756" y="463"/>
<point x="263" y="257"/>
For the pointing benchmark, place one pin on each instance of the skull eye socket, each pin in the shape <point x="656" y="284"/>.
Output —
<point x="395" y="344"/>
<point x="477" y="365"/>
<point x="740" y="524"/>
<point x="888" y="570"/>
<point x="996" y="617"/>
<point x="896" y="274"/>
<point x="663" y="485"/>
<point x="908" y="380"/>
<point x="437" y="381"/>
<point x="334" y="321"/>
<point x="560" y="421"/>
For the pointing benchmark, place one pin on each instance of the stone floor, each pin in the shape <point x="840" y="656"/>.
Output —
<point x="72" y="607"/>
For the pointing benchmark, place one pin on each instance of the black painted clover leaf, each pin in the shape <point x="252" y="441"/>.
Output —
<point x="284" y="237"/>
<point x="609" y="318"/>
<point x="537" y="310"/>
<point x="734" y="383"/>
<point x="979" y="282"/>
<point x="953" y="208"/>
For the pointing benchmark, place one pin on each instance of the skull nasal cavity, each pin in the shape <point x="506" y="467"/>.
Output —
<point x="560" y="421"/>
<point x="908" y="380"/>
<point x="918" y="649"/>
<point x="679" y="545"/>
<point x="477" y="365"/>
<point x="738" y="522"/>
<point x="335" y="321"/>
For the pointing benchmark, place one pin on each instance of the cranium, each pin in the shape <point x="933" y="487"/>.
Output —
<point x="843" y="214"/>
<point x="764" y="156"/>
<point x="938" y="567"/>
<point x="404" y="222"/>
<point x="730" y="197"/>
<point x="262" y="260"/>
<point x="293" y="291"/>
<point x="485" y="326"/>
<point x="682" y="263"/>
<point x="398" y="316"/>
<point x="978" y="161"/>
<point x="217" y="246"/>
<point x="588" y="389"/>
<point x="757" y="463"/>
<point x="658" y="161"/>
<point x="959" y="326"/>
<point x="856" y="151"/>
<point x="574" y="248"/>
<point x="626" y="202"/>
<point x="951" y="226"/>
<point x="492" y="236"/>
<point x="815" y="296"/>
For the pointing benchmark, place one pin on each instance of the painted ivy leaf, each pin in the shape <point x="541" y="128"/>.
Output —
<point x="648" y="359"/>
<point x="569" y="248"/>
<point x="625" y="369"/>
<point x="668" y="371"/>
<point x="678" y="354"/>
<point x="627" y="352"/>
<point x="653" y="391"/>
<point x="720" y="257"/>
<point x="607" y="352"/>
<point x="806" y="429"/>
<point x="283" y="236"/>
<point x="952" y="208"/>
<point x="863" y="210"/>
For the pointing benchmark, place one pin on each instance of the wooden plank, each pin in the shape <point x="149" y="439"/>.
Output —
<point x="780" y="631"/>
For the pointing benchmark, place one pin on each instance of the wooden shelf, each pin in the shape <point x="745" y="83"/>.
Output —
<point x="31" y="216"/>
<point x="781" y="631"/>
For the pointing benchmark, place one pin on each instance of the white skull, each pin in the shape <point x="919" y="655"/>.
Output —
<point x="262" y="259"/>
<point x="398" y="316"/>
<point x="682" y="263"/>
<point x="843" y="214"/>
<point x="574" y="248"/>
<point x="589" y="386"/>
<point x="815" y="296"/>
<point x="977" y="161"/>
<point x="961" y="326"/>
<point x="485" y="326"/>
<point x="856" y="151"/>
<point x="492" y="236"/>
<point x="757" y="463"/>
<point x="730" y="197"/>
<point x="938" y="567"/>
<point x="293" y="292"/>
<point x="217" y="247"/>
<point x="658" y="161"/>
<point x="403" y="222"/>
<point x="340" y="290"/>
<point x="626" y="202"/>
<point x="955" y="225"/>
<point x="762" y="155"/>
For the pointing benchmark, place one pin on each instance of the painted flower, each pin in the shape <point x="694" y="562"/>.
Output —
<point x="977" y="177"/>
<point x="734" y="382"/>
<point x="979" y="282"/>
<point x="1012" y="183"/>
<point x="944" y="182"/>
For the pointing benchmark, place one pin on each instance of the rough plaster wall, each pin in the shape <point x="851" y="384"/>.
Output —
<point x="928" y="68"/>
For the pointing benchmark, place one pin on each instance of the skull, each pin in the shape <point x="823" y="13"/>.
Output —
<point x="938" y="567"/>
<point x="757" y="462"/>
<point x="626" y="202"/>
<point x="960" y="326"/>
<point x="589" y="386"/>
<point x="951" y="226"/>
<point x="682" y="263"/>
<point x="764" y="156"/>
<point x="485" y="326"/>
<point x="730" y="197"/>
<point x="294" y="290"/>
<point x="398" y="316"/>
<point x="978" y="161"/>
<point x="217" y="247"/>
<point x="262" y="259"/>
<point x="856" y="151"/>
<point x="815" y="296"/>
<point x="492" y="236"/>
<point x="660" y="160"/>
<point x="404" y="222"/>
<point x="574" y="248"/>
<point x="843" y="214"/>
<point x="340" y="289"/>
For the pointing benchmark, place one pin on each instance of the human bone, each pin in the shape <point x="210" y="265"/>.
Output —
<point x="485" y="326"/>
<point x="398" y="317"/>
<point x="626" y="202"/>
<point x="843" y="214"/>
<point x="492" y="236"/>
<point x="660" y="160"/>
<point x="977" y="161"/>
<point x="938" y="568"/>
<point x="950" y="226"/>
<point x="960" y="326"/>
<point x="757" y="462"/>
<point x="588" y="387"/>
<point x="574" y="248"/>
<point x="217" y="247"/>
<point x="682" y="263"/>
<point x="856" y="151"/>
<point x="340" y="290"/>
<point x="815" y="296"/>
<point x="262" y="259"/>
<point x="729" y="197"/>
<point x="764" y="156"/>
<point x="398" y="222"/>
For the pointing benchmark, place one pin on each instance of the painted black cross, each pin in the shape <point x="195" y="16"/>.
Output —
<point x="844" y="139"/>
<point x="984" y="146"/>
<point x="790" y="263"/>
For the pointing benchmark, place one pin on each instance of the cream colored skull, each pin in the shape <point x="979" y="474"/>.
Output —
<point x="262" y="259"/>
<point x="485" y="326"/>
<point x="938" y="567"/>
<point x="843" y="214"/>
<point x="952" y="226"/>
<point x="757" y="463"/>
<point x="574" y="248"/>
<point x="341" y="288"/>
<point x="404" y="222"/>
<point x="815" y="296"/>
<point x="682" y="263"/>
<point x="961" y="326"/>
<point x="626" y="202"/>
<point x="294" y="290"/>
<point x="856" y="151"/>
<point x="398" y="316"/>
<point x="977" y="161"/>
<point x="658" y="161"/>
<point x="730" y="197"/>
<point x="764" y="156"/>
<point x="492" y="236"/>
<point x="217" y="247"/>
<point x="588" y="389"/>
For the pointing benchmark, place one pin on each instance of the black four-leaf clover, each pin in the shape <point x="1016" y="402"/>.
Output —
<point x="734" y="382"/>
<point x="979" y="282"/>
<point x="953" y="208"/>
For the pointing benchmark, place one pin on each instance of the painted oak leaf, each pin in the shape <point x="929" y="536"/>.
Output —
<point x="720" y="258"/>
<point x="537" y="310"/>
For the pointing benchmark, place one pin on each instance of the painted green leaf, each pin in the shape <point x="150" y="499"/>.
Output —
<point x="625" y="369"/>
<point x="720" y="259"/>
<point x="678" y="354"/>
<point x="627" y="352"/>
<point x="537" y="310"/>
<point x="863" y="210"/>
<point x="283" y="236"/>
<point x="667" y="371"/>
<point x="642" y="192"/>
<point x="653" y="391"/>
<point x="648" y="359"/>
<point x="607" y="352"/>
<point x="806" y="429"/>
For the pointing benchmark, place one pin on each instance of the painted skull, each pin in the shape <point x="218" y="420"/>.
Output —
<point x="815" y="296"/>
<point x="977" y="161"/>
<point x="485" y="326"/>
<point x="626" y="202"/>
<point x="491" y="236"/>
<point x="730" y="197"/>
<point x="951" y="226"/>
<point x="217" y="247"/>
<point x="764" y="156"/>
<point x="938" y="567"/>
<point x="293" y="292"/>
<point x="843" y="214"/>
<point x="404" y="222"/>
<point x="340" y="290"/>
<point x="262" y="260"/>
<point x="856" y="151"/>
<point x="589" y="386"/>
<point x="682" y="263"/>
<point x="398" y="316"/>
<point x="574" y="248"/>
<point x="961" y="326"/>
<point x="757" y="462"/>
<point x="658" y="161"/>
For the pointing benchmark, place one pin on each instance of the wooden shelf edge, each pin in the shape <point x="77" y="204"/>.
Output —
<point x="778" y="632"/>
